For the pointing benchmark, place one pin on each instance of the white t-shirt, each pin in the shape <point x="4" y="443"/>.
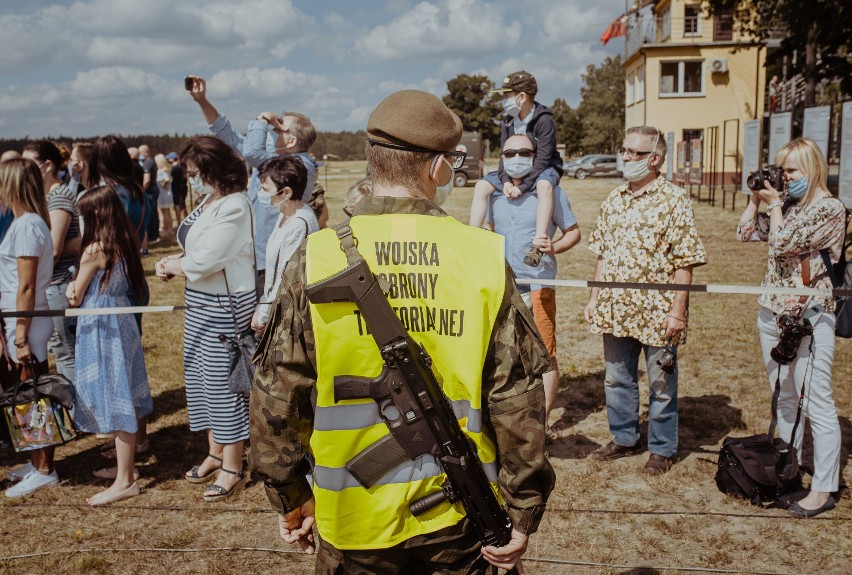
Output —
<point x="28" y="236"/>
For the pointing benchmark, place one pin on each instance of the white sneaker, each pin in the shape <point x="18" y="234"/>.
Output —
<point x="32" y="483"/>
<point x="19" y="472"/>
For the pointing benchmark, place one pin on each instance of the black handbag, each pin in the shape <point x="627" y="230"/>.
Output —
<point x="761" y="468"/>
<point x="841" y="278"/>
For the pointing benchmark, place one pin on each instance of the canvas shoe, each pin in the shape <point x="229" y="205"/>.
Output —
<point x="32" y="483"/>
<point x="19" y="472"/>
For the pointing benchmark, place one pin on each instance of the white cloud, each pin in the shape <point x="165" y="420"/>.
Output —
<point x="447" y="28"/>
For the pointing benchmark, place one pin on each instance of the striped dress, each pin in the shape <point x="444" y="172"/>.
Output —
<point x="210" y="404"/>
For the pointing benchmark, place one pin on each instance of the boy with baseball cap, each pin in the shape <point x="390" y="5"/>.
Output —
<point x="539" y="173"/>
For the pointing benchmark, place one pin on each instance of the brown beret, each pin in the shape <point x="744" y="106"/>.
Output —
<point x="519" y="82"/>
<point x="415" y="119"/>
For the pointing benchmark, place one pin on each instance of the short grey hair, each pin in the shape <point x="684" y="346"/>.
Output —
<point x="651" y="132"/>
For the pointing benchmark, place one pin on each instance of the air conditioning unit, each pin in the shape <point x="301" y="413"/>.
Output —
<point x="718" y="65"/>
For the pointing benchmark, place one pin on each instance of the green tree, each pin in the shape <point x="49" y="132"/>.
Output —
<point x="602" y="106"/>
<point x="816" y="31"/>
<point x="479" y="110"/>
<point x="569" y="127"/>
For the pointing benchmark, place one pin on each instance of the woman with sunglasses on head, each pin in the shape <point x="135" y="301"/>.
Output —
<point x="218" y="264"/>
<point x="65" y="233"/>
<point x="800" y="221"/>
<point x="26" y="269"/>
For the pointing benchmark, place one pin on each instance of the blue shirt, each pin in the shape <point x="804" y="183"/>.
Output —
<point x="254" y="150"/>
<point x="515" y="220"/>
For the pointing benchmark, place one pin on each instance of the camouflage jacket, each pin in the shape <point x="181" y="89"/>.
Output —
<point x="281" y="410"/>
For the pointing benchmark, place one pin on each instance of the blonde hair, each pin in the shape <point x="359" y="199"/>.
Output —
<point x="811" y="162"/>
<point x="22" y="187"/>
<point x="162" y="162"/>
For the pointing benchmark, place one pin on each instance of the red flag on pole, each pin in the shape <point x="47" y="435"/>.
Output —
<point x="617" y="28"/>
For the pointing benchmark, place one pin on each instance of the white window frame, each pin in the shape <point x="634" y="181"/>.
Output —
<point x="697" y="21"/>
<point x="640" y="84"/>
<point x="679" y="93"/>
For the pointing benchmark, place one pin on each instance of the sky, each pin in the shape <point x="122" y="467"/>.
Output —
<point x="91" y="67"/>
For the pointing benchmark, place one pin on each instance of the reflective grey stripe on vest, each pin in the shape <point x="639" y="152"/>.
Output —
<point x="363" y="415"/>
<point x="424" y="467"/>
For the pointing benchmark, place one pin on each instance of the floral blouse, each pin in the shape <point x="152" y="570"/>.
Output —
<point x="643" y="239"/>
<point x="804" y="232"/>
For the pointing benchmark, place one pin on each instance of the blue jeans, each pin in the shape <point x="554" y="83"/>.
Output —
<point x="621" y="385"/>
<point x="64" y="337"/>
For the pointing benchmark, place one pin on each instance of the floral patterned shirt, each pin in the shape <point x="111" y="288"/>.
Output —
<point x="643" y="239"/>
<point x="804" y="232"/>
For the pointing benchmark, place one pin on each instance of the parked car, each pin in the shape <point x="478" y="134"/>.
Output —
<point x="472" y="143"/>
<point x="605" y="165"/>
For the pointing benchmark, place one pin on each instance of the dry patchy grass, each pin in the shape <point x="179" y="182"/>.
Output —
<point x="600" y="513"/>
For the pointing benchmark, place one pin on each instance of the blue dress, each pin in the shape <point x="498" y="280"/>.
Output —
<point x="110" y="380"/>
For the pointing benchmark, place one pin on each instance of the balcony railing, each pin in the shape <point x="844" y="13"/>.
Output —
<point x="664" y="29"/>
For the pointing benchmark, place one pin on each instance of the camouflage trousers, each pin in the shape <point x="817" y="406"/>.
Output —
<point x="450" y="551"/>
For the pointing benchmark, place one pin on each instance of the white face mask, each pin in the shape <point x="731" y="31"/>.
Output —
<point x="199" y="186"/>
<point x="637" y="170"/>
<point x="517" y="167"/>
<point x="265" y="199"/>
<point x="443" y="192"/>
<point x="510" y="106"/>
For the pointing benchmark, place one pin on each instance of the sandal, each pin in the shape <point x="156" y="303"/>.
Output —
<point x="108" y="451"/>
<point x="216" y="492"/>
<point x="533" y="257"/>
<point x="193" y="477"/>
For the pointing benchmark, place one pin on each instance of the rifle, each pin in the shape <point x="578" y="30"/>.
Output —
<point x="412" y="405"/>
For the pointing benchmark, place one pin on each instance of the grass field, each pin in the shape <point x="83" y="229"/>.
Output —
<point x="603" y="517"/>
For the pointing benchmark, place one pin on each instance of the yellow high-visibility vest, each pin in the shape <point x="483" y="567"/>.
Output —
<point x="446" y="285"/>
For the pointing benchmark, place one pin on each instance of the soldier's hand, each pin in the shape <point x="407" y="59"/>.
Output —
<point x="297" y="527"/>
<point x="509" y="555"/>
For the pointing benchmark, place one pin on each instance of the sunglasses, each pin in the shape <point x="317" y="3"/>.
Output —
<point x="456" y="159"/>
<point x="523" y="152"/>
<point x="633" y="153"/>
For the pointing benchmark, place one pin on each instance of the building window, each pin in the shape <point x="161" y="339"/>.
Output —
<point x="664" y="25"/>
<point x="723" y="25"/>
<point x="640" y="84"/>
<point x="683" y="78"/>
<point x="691" y="20"/>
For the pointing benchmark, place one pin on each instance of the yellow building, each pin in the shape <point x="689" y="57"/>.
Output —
<point x="684" y="76"/>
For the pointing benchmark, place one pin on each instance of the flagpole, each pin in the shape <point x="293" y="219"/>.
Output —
<point x="627" y="30"/>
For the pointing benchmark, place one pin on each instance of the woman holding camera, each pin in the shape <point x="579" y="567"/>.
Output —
<point x="799" y="222"/>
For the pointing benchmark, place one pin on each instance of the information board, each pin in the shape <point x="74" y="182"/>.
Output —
<point x="846" y="155"/>
<point x="817" y="122"/>
<point x="681" y="161"/>
<point x="696" y="161"/>
<point x="780" y="132"/>
<point x="751" y="151"/>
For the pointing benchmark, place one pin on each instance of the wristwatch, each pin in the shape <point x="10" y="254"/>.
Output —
<point x="20" y="344"/>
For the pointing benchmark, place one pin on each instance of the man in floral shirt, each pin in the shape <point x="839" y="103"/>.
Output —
<point x="645" y="233"/>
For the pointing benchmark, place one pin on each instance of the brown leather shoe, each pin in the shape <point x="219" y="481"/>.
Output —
<point x="612" y="451"/>
<point x="657" y="464"/>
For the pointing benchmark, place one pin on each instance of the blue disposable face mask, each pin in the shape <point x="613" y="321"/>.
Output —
<point x="797" y="189"/>
<point x="517" y="166"/>
<point x="510" y="106"/>
<point x="199" y="186"/>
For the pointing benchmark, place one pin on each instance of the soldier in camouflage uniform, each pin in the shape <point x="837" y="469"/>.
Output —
<point x="410" y="135"/>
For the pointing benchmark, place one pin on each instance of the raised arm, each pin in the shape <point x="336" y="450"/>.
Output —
<point x="218" y="124"/>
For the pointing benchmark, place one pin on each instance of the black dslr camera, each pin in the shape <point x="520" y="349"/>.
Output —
<point x="772" y="174"/>
<point x="792" y="332"/>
